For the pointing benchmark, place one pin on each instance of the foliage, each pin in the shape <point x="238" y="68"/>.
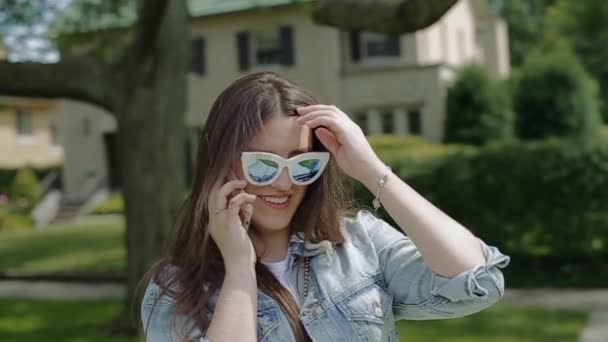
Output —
<point x="583" y="25"/>
<point x="15" y="222"/>
<point x="25" y="190"/>
<point x="478" y="109"/>
<point x="114" y="204"/>
<point x="526" y="20"/>
<point x="545" y="203"/>
<point x="554" y="96"/>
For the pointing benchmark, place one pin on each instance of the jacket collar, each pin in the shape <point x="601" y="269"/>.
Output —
<point x="298" y="246"/>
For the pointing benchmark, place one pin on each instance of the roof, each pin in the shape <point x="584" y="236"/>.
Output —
<point x="199" y="8"/>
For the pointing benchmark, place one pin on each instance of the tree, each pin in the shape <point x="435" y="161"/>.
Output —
<point x="525" y="19"/>
<point x="583" y="25"/>
<point x="144" y="86"/>
<point x="478" y="109"/>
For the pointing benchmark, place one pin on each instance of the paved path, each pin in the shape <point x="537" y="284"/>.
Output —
<point x="595" y="301"/>
<point x="55" y="290"/>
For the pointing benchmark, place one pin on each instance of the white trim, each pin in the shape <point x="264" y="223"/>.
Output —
<point x="27" y="140"/>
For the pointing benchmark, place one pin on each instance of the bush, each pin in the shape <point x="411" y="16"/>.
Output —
<point x="16" y="222"/>
<point x="25" y="190"/>
<point x="479" y="109"/>
<point x="111" y="205"/>
<point x="544" y="203"/>
<point x="554" y="96"/>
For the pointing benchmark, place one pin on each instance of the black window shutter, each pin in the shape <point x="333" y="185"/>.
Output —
<point x="355" y="46"/>
<point x="242" y="45"/>
<point x="394" y="45"/>
<point x="198" y="55"/>
<point x="287" y="57"/>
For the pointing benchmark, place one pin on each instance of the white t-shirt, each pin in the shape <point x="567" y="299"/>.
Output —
<point x="280" y="270"/>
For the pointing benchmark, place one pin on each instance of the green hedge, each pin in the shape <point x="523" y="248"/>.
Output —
<point x="545" y="203"/>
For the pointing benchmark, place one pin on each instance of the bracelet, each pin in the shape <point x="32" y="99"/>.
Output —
<point x="381" y="184"/>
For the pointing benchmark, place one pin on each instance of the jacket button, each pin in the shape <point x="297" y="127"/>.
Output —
<point x="378" y="311"/>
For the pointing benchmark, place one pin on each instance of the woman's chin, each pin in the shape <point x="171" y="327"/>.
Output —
<point x="271" y="226"/>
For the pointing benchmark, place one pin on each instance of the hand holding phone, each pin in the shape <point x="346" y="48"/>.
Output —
<point x="247" y="212"/>
<point x="230" y="209"/>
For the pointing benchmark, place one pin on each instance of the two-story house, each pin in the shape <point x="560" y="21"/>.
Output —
<point x="387" y="84"/>
<point x="28" y="135"/>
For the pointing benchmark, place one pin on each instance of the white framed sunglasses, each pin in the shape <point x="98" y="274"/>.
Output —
<point x="263" y="168"/>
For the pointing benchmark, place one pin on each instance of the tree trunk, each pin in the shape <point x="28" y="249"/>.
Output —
<point x="151" y="133"/>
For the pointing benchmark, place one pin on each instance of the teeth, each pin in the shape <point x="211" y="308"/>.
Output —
<point x="276" y="200"/>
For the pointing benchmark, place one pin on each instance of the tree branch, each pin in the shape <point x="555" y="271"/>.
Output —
<point x="77" y="78"/>
<point x="150" y="16"/>
<point x="387" y="16"/>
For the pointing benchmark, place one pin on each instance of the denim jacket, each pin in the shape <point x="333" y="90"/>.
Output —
<point x="358" y="291"/>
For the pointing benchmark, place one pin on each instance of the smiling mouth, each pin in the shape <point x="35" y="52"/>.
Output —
<point x="277" y="203"/>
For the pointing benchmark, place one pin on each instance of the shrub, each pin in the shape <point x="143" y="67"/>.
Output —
<point x="554" y="96"/>
<point x="25" y="190"/>
<point x="13" y="222"/>
<point x="114" y="204"/>
<point x="479" y="109"/>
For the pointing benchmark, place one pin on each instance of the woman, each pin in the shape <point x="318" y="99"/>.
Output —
<point x="309" y="267"/>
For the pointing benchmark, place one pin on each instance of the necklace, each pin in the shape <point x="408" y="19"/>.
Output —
<point x="306" y="275"/>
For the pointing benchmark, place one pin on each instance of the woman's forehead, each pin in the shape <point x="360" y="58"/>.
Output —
<point x="282" y="135"/>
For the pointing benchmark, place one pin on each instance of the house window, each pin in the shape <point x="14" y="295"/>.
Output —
<point x="386" y="117"/>
<point x="361" y="121"/>
<point x="366" y="45"/>
<point x="262" y="48"/>
<point x="379" y="44"/>
<point x="198" y="64"/>
<point x="267" y="47"/>
<point x="415" y="122"/>
<point x="24" y="123"/>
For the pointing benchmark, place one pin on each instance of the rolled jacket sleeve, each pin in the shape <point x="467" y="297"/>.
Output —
<point x="419" y="293"/>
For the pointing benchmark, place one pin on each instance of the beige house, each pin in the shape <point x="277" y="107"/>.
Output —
<point x="387" y="84"/>
<point x="28" y="138"/>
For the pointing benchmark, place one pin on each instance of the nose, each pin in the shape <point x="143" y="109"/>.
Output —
<point x="283" y="183"/>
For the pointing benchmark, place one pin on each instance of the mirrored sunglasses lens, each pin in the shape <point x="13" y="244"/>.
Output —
<point x="307" y="170"/>
<point x="261" y="170"/>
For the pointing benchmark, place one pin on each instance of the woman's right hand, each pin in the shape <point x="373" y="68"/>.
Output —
<point x="225" y="225"/>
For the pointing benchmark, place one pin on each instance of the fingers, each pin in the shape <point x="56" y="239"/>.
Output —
<point x="238" y="201"/>
<point x="331" y="123"/>
<point x="219" y="197"/>
<point x="307" y="109"/>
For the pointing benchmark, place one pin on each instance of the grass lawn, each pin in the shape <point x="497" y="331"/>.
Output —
<point x="88" y="247"/>
<point x="38" y="320"/>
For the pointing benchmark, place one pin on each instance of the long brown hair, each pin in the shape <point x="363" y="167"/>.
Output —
<point x="237" y="115"/>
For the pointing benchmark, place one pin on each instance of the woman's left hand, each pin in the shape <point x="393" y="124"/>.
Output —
<point x="344" y="139"/>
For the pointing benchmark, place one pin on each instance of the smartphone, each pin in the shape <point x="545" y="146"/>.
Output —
<point x="245" y="214"/>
